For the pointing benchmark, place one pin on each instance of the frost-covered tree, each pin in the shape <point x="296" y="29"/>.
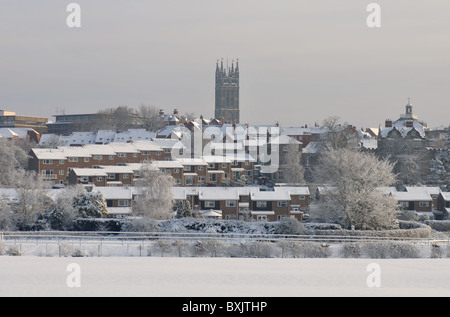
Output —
<point x="90" y="205"/>
<point x="13" y="160"/>
<point x="294" y="171"/>
<point x="351" y="180"/>
<point x="6" y="217"/>
<point x="32" y="199"/>
<point x="154" y="193"/>
<point x="64" y="211"/>
<point x="187" y="212"/>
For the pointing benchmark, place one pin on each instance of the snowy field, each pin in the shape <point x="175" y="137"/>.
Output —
<point x="26" y="276"/>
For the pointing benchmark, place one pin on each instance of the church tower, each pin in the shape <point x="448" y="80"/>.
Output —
<point x="227" y="92"/>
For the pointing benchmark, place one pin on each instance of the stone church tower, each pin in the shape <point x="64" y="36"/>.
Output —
<point x="227" y="92"/>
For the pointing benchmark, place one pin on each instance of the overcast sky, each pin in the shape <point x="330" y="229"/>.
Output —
<point x="300" y="61"/>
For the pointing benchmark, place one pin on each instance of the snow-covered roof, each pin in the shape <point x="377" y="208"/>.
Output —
<point x="427" y="189"/>
<point x="446" y="195"/>
<point x="411" y="196"/>
<point x="270" y="195"/>
<point x="400" y="125"/>
<point x="218" y="193"/>
<point x="283" y="139"/>
<point x="111" y="192"/>
<point x="89" y="172"/>
<point x="134" y="135"/>
<point x="293" y="190"/>
<point x="49" y="154"/>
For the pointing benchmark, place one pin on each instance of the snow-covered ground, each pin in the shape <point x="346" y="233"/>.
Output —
<point x="222" y="277"/>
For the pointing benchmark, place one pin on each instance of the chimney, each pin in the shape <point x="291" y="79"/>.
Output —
<point x="175" y="111"/>
<point x="161" y="112"/>
<point x="388" y="123"/>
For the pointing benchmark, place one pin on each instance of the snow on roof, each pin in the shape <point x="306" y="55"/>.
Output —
<point x="179" y="193"/>
<point x="7" y="133"/>
<point x="369" y="143"/>
<point x="134" y="135"/>
<point x="284" y="139"/>
<point x="111" y="192"/>
<point x="89" y="172"/>
<point x="400" y="125"/>
<point x="105" y="136"/>
<point x="168" y="164"/>
<point x="216" y="159"/>
<point x="74" y="151"/>
<point x="270" y="195"/>
<point x="119" y="210"/>
<point x="191" y="161"/>
<point x="411" y="196"/>
<point x="293" y="190"/>
<point x="218" y="193"/>
<point x="49" y="154"/>
<point x="78" y="138"/>
<point x="111" y="169"/>
<point x="445" y="195"/>
<point x="99" y="149"/>
<point x="120" y="147"/>
<point x="295" y="130"/>
<point x="427" y="189"/>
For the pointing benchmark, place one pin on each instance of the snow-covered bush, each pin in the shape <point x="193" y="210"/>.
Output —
<point x="391" y="250"/>
<point x="257" y="249"/>
<point x="310" y="250"/>
<point x="351" y="250"/>
<point x="290" y="226"/>
<point x="141" y="224"/>
<point x="90" y="205"/>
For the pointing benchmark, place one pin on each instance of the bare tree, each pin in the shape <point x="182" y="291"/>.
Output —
<point x="338" y="135"/>
<point x="351" y="180"/>
<point x="150" y="117"/>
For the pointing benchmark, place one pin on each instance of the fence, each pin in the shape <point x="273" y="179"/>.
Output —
<point x="164" y="243"/>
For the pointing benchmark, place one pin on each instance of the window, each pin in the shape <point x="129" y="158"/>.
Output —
<point x="158" y="152"/>
<point x="210" y="204"/>
<point x="176" y="170"/>
<point x="98" y="157"/>
<point x="187" y="168"/>
<point x="99" y="178"/>
<point x="424" y="204"/>
<point x="145" y="152"/>
<point x="261" y="204"/>
<point x="224" y="165"/>
<point x="111" y="176"/>
<point x="123" y="203"/>
<point x="125" y="175"/>
<point x="47" y="162"/>
<point x="73" y="159"/>
<point x="189" y="180"/>
<point x="135" y="155"/>
<point x="211" y="165"/>
<point x="200" y="168"/>
<point x="212" y="177"/>
<point x="86" y="159"/>
<point x="301" y="197"/>
<point x="261" y="218"/>
<point x="61" y="172"/>
<point x="122" y="154"/>
<point x="282" y="203"/>
<point x="111" y="157"/>
<point x="61" y="161"/>
<point x="230" y="203"/>
<point x="178" y="181"/>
